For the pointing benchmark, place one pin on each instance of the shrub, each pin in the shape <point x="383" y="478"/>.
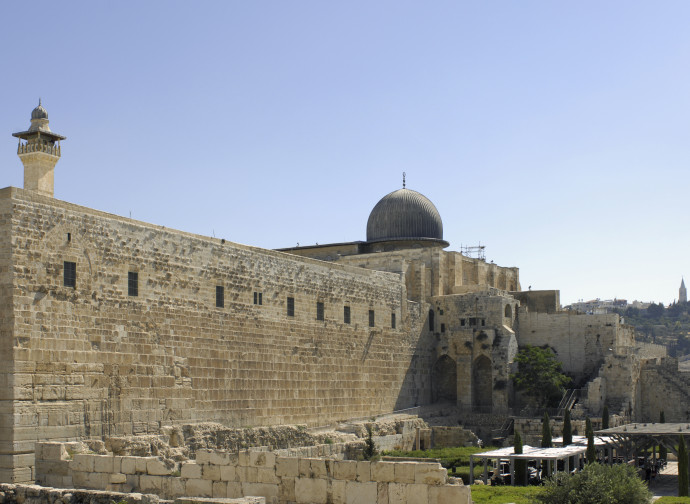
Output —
<point x="596" y="484"/>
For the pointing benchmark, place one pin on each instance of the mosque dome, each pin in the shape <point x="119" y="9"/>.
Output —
<point x="404" y="215"/>
<point x="39" y="112"/>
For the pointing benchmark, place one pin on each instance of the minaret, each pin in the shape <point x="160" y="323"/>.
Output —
<point x="39" y="152"/>
<point x="682" y="293"/>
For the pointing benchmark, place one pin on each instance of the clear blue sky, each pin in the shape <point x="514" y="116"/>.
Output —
<point x="554" y="133"/>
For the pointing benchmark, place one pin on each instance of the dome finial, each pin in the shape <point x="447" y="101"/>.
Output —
<point x="404" y="180"/>
<point x="39" y="101"/>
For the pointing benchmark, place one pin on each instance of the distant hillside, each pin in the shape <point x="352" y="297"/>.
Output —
<point x="665" y="326"/>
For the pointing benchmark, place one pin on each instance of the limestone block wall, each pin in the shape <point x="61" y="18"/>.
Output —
<point x="35" y="494"/>
<point x="581" y="342"/>
<point x="95" y="359"/>
<point x="663" y="388"/>
<point x="219" y="474"/>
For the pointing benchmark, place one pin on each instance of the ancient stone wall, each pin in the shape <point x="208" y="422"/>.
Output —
<point x="663" y="388"/>
<point x="95" y="360"/>
<point x="581" y="342"/>
<point x="220" y="474"/>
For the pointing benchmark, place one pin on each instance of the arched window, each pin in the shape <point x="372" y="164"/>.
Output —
<point x="509" y="311"/>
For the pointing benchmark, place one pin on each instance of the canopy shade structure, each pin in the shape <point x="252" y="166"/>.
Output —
<point x="637" y="437"/>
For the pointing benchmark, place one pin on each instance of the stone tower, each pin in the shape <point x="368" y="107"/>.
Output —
<point x="682" y="293"/>
<point x="39" y="152"/>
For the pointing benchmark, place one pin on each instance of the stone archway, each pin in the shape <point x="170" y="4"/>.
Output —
<point x="509" y="312"/>
<point x="444" y="380"/>
<point x="482" y="385"/>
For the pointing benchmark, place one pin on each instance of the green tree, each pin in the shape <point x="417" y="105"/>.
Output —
<point x="682" y="468"/>
<point x="591" y="451"/>
<point x="596" y="484"/>
<point x="663" y="452"/>
<point x="546" y="439"/>
<point x="539" y="375"/>
<point x="370" y="450"/>
<point x="605" y="417"/>
<point x="567" y="429"/>
<point x="546" y="436"/>
<point x="520" y="464"/>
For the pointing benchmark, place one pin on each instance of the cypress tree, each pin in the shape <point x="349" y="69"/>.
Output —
<point x="567" y="429"/>
<point x="520" y="464"/>
<point x="591" y="451"/>
<point x="682" y="468"/>
<point x="605" y="417"/>
<point x="546" y="441"/>
<point x="663" y="452"/>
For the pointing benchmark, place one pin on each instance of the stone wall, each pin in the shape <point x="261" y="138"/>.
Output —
<point x="92" y="360"/>
<point x="220" y="474"/>
<point x="664" y="388"/>
<point x="35" y="494"/>
<point x="581" y="342"/>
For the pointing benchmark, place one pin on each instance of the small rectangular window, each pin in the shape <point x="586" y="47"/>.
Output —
<point x="462" y="322"/>
<point x="70" y="274"/>
<point x="258" y="298"/>
<point x="220" y="296"/>
<point x="372" y="319"/>
<point x="133" y="283"/>
<point x="483" y="322"/>
<point x="319" y="310"/>
<point x="443" y="327"/>
<point x="346" y="314"/>
<point x="392" y="320"/>
<point x="473" y="321"/>
<point x="261" y="298"/>
<point x="290" y="307"/>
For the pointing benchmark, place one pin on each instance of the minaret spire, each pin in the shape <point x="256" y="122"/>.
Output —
<point x="39" y="153"/>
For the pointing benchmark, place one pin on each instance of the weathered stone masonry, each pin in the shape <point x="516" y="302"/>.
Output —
<point x="92" y="360"/>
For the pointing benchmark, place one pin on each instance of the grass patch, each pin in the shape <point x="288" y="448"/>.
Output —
<point x="673" y="500"/>
<point x="458" y="456"/>
<point x="503" y="494"/>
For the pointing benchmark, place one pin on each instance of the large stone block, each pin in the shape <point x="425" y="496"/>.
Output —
<point x="157" y="467"/>
<point x="82" y="462"/>
<point x="190" y="470"/>
<point x="383" y="471"/>
<point x="286" y="489"/>
<point x="228" y="473"/>
<point x="128" y="465"/>
<point x="270" y="492"/>
<point x="267" y="475"/>
<point x="345" y="470"/>
<point x="363" y="471"/>
<point x="311" y="491"/>
<point x="210" y="472"/>
<point x="405" y="472"/>
<point x="262" y="459"/>
<point x="430" y="474"/>
<point x="103" y="463"/>
<point x="51" y="451"/>
<point x="151" y="484"/>
<point x="287" y="466"/>
<point x="450" y="494"/>
<point x="199" y="488"/>
<point x="220" y="489"/>
<point x="361" y="493"/>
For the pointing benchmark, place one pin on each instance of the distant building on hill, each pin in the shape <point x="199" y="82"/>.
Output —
<point x="682" y="292"/>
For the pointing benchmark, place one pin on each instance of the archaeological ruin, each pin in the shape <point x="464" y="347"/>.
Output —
<point x="114" y="328"/>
